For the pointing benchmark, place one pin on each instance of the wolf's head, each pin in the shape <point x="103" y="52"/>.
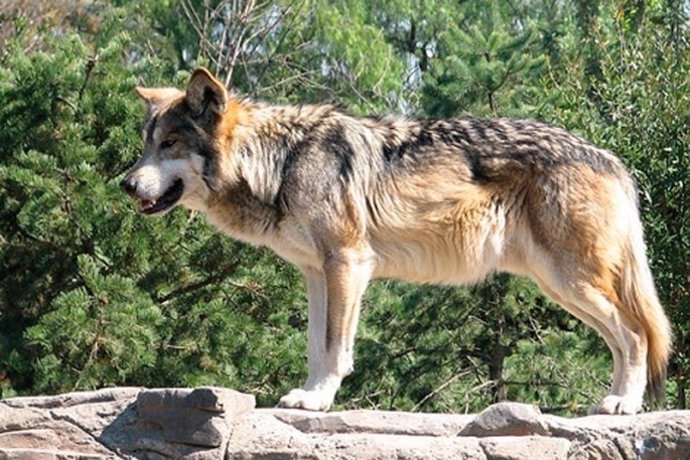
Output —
<point x="181" y="145"/>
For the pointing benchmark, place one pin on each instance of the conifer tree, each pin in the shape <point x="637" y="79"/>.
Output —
<point x="485" y="66"/>
<point x="93" y="294"/>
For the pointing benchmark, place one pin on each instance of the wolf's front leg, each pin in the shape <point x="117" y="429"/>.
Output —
<point x="335" y="295"/>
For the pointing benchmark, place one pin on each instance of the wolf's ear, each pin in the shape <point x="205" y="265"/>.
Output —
<point x="155" y="97"/>
<point x="205" y="93"/>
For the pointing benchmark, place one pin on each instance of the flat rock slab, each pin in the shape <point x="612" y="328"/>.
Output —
<point x="523" y="447"/>
<point x="24" y="430"/>
<point x="372" y="421"/>
<point x="122" y="423"/>
<point x="217" y="423"/>
<point x="502" y="431"/>
<point x="105" y="395"/>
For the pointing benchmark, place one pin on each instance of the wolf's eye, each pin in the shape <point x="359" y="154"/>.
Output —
<point x="166" y="144"/>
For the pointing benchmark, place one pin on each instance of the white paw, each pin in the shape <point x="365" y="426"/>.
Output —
<point x="310" y="400"/>
<point x="613" y="404"/>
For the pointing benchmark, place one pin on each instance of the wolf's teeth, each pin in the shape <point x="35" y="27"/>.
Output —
<point x="147" y="204"/>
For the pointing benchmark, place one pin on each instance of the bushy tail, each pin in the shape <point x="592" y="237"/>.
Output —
<point x="638" y="293"/>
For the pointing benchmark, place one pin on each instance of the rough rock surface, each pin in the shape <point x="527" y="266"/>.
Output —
<point x="217" y="423"/>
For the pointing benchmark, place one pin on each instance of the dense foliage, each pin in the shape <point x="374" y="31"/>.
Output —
<point x="93" y="294"/>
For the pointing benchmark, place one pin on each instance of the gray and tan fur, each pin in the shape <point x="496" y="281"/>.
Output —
<point x="349" y="199"/>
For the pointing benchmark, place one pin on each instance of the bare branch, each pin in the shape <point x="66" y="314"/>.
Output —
<point x="440" y="388"/>
<point x="247" y="35"/>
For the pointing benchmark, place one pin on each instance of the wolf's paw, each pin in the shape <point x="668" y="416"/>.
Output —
<point x="310" y="400"/>
<point x="613" y="404"/>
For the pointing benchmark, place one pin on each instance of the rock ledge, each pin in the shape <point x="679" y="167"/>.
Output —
<point x="218" y="423"/>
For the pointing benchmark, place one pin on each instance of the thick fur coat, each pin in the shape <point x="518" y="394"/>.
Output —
<point x="349" y="199"/>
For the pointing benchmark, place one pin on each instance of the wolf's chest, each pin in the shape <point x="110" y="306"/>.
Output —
<point x="294" y="244"/>
<point x="288" y="239"/>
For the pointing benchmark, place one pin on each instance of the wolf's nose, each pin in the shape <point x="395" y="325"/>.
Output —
<point x="129" y="185"/>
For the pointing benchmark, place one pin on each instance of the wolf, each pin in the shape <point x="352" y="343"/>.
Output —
<point x="348" y="199"/>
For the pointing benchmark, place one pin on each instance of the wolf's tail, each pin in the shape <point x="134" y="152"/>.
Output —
<point x="638" y="294"/>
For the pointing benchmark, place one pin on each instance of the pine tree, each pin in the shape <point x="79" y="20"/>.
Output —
<point x="485" y="66"/>
<point x="93" y="294"/>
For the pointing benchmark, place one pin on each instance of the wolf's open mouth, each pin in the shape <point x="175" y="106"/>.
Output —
<point x="165" y="201"/>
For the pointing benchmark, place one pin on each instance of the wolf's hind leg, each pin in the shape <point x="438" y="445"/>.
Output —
<point x="335" y="295"/>
<point x="596" y="324"/>
<point x="627" y="391"/>
<point x="624" y="336"/>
